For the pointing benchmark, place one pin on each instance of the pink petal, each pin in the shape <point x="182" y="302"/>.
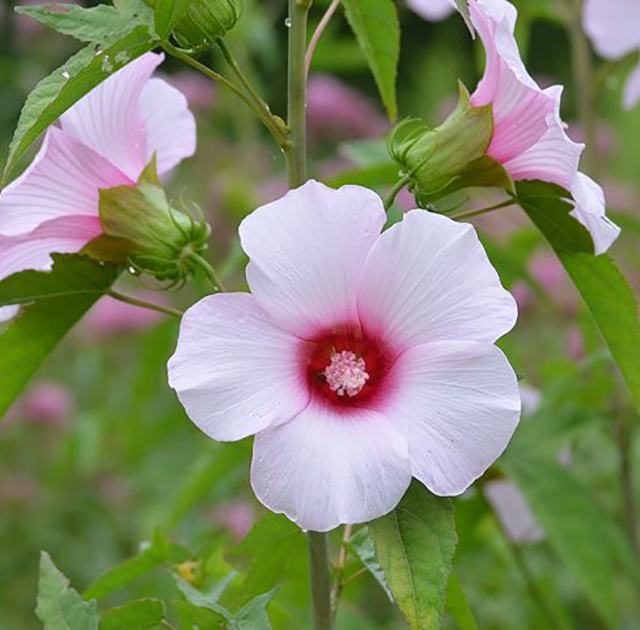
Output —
<point x="109" y="120"/>
<point x="234" y="372"/>
<point x="307" y="251"/>
<point x="428" y="278"/>
<point x="520" y="107"/>
<point x="590" y="211"/>
<point x="460" y="405"/>
<point x="33" y="250"/>
<point x="170" y="126"/>
<point x="513" y="511"/>
<point x="324" y="469"/>
<point x="432" y="10"/>
<point x="63" y="180"/>
<point x="612" y="26"/>
<point x="632" y="89"/>
<point x="554" y="158"/>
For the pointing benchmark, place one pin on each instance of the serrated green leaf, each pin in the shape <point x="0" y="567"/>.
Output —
<point x="415" y="545"/>
<point x="168" y="14"/>
<point x="68" y="291"/>
<point x="377" y="29"/>
<point x="582" y="533"/>
<point x="458" y="606"/>
<point x="362" y="545"/>
<point x="103" y="24"/>
<point x="55" y="94"/>
<point x="192" y="617"/>
<point x="144" y="614"/>
<point x="597" y="278"/>
<point x="59" y="606"/>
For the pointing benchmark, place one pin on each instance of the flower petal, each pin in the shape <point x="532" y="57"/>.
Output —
<point x="170" y="126"/>
<point x="432" y="10"/>
<point x="554" y="158"/>
<point x="324" y="469"/>
<point x="7" y="313"/>
<point x="520" y="107"/>
<point x="109" y="120"/>
<point x="590" y="211"/>
<point x="460" y="405"/>
<point x="63" y="180"/>
<point x="612" y="26"/>
<point x="33" y="250"/>
<point x="631" y="94"/>
<point x="307" y="251"/>
<point x="513" y="511"/>
<point x="428" y="278"/>
<point x="234" y="372"/>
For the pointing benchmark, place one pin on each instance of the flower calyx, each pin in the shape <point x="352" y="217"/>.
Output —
<point x="442" y="160"/>
<point x="142" y="230"/>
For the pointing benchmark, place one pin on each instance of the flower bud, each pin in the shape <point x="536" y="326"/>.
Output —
<point x="141" y="229"/>
<point x="204" y="21"/>
<point x="450" y="157"/>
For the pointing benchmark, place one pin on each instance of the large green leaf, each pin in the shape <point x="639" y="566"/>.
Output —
<point x="61" y="297"/>
<point x="377" y="29"/>
<point x="55" y="94"/>
<point x="101" y="25"/>
<point x="362" y="546"/>
<point x="584" y="536"/>
<point x="458" y="606"/>
<point x="415" y="545"/>
<point x="144" y="614"/>
<point x="59" y="606"/>
<point x="597" y="278"/>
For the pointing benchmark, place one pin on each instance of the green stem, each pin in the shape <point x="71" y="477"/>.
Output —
<point x="268" y="119"/>
<point x="166" y="310"/>
<point x="476" y="213"/>
<point x="257" y="99"/>
<point x="296" y="149"/>
<point x="397" y="187"/>
<point x="209" y="270"/>
<point x="320" y="581"/>
<point x="585" y="86"/>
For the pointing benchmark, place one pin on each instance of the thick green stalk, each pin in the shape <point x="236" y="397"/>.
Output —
<point x="296" y="152"/>
<point x="296" y="149"/>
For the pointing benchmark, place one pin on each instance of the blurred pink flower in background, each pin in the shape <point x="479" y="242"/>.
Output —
<point x="236" y="517"/>
<point x="105" y="140"/>
<point x="529" y="138"/>
<point x="614" y="29"/>
<point x="199" y="90"/>
<point x="432" y="10"/>
<point x="336" y="110"/>
<point x="523" y="296"/>
<point x="574" y="343"/>
<point x="48" y="403"/>
<point x="547" y="270"/>
<point x="111" y="317"/>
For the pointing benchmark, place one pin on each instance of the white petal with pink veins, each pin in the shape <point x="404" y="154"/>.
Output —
<point x="590" y="211"/>
<point x="460" y="406"/>
<point x="612" y="26"/>
<point x="33" y="250"/>
<point x="428" y="278"/>
<point x="324" y="468"/>
<point x="555" y="157"/>
<point x="109" y="118"/>
<point x="520" y="107"/>
<point x="170" y="126"/>
<point x="307" y="251"/>
<point x="234" y="371"/>
<point x="63" y="180"/>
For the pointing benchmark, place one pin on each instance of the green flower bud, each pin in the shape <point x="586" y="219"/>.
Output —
<point x="450" y="157"/>
<point x="142" y="230"/>
<point x="204" y="21"/>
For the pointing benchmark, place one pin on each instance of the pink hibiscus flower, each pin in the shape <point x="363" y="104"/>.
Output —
<point x="359" y="361"/>
<point x="432" y="10"/>
<point x="612" y="27"/>
<point x="529" y="137"/>
<point x="104" y="140"/>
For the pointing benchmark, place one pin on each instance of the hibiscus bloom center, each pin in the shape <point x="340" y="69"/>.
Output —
<point x="346" y="367"/>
